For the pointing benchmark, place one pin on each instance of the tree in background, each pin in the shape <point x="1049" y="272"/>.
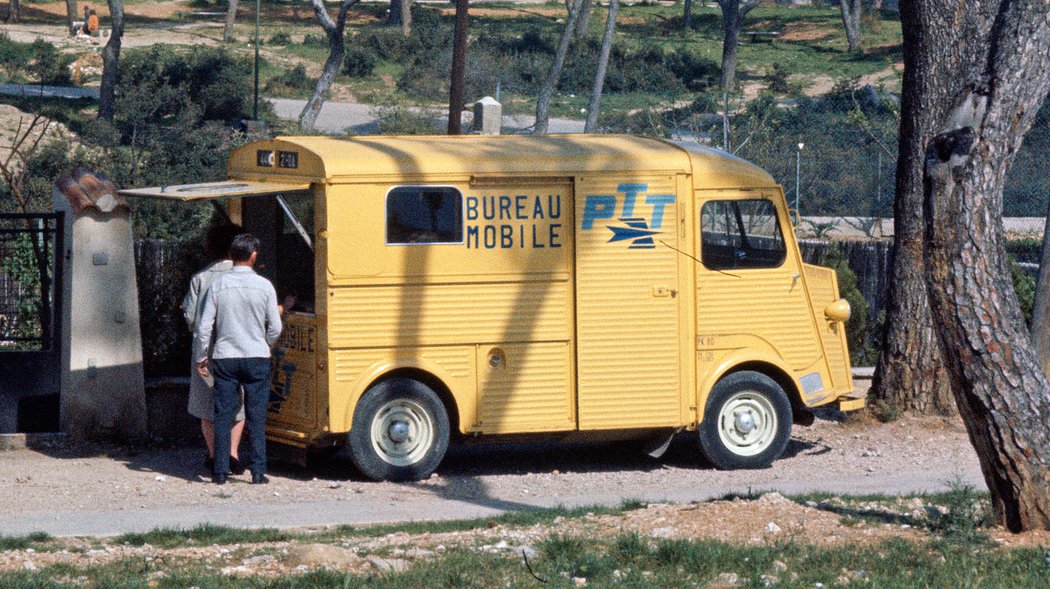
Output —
<point x="733" y="13"/>
<point x="400" y="16"/>
<point x="583" y="20"/>
<point x="965" y="113"/>
<point x="111" y="60"/>
<point x="550" y="83"/>
<point x="603" y="66"/>
<point x="231" y="18"/>
<point x="687" y="16"/>
<point x="71" y="15"/>
<point x="851" y="14"/>
<point x="13" y="9"/>
<point x="334" y="30"/>
<point x="910" y="374"/>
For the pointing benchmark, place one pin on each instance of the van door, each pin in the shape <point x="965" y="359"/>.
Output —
<point x="751" y="291"/>
<point x="627" y="304"/>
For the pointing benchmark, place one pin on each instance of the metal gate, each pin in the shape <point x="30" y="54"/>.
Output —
<point x="31" y="257"/>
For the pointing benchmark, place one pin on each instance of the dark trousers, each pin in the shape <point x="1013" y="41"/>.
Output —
<point x="254" y="375"/>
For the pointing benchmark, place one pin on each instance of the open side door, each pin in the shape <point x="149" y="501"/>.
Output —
<point x="282" y="216"/>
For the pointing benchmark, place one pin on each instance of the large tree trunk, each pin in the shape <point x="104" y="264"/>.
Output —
<point x="603" y="66"/>
<point x="13" y="8"/>
<point x="400" y="15"/>
<point x="910" y="374"/>
<point x="111" y="61"/>
<point x="687" y="16"/>
<point x="231" y="18"/>
<point x="543" y="100"/>
<point x="336" y="52"/>
<point x="71" y="15"/>
<point x="733" y="13"/>
<point x="851" y="13"/>
<point x="988" y="68"/>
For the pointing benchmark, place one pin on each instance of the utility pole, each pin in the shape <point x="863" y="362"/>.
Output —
<point x="255" y="107"/>
<point x="798" y="166"/>
<point x="459" y="58"/>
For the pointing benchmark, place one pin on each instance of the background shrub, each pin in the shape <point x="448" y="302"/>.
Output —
<point x="358" y="63"/>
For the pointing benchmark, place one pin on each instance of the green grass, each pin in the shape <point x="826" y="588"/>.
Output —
<point x="34" y="541"/>
<point x="623" y="561"/>
<point x="208" y="534"/>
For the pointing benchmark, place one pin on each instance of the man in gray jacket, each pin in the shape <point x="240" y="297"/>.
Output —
<point x="241" y="309"/>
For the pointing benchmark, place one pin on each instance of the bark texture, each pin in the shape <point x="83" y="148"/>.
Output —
<point x="851" y="13"/>
<point x="733" y="13"/>
<point x="910" y="374"/>
<point x="336" y="52"/>
<point x="989" y="68"/>
<point x="231" y="19"/>
<point x="543" y="100"/>
<point x="111" y="61"/>
<point x="603" y="66"/>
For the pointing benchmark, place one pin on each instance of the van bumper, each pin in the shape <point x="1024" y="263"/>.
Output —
<point x="846" y="404"/>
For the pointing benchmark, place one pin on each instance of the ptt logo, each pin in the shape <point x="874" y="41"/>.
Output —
<point x="632" y="227"/>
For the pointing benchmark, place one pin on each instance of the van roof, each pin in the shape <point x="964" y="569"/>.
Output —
<point x="337" y="159"/>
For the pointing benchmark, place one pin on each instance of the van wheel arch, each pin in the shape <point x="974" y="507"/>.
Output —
<point x="435" y="384"/>
<point x="800" y="413"/>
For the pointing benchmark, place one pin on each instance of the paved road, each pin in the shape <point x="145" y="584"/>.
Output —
<point x="339" y="117"/>
<point x="40" y="91"/>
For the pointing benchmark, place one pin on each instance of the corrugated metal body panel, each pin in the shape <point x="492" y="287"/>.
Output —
<point x="353" y="370"/>
<point x="823" y="291"/>
<point x="349" y="365"/>
<point x="768" y="303"/>
<point x="628" y="359"/>
<point x="446" y="314"/>
<point x="524" y="388"/>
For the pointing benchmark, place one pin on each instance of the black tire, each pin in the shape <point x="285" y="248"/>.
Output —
<point x="393" y="408"/>
<point x="724" y="436"/>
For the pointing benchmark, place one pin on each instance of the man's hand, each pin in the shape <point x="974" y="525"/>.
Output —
<point x="202" y="368"/>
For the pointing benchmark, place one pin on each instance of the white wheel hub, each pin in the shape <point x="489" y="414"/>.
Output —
<point x="402" y="432"/>
<point x="747" y="423"/>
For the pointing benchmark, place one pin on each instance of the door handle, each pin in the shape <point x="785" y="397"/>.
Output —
<point x="663" y="291"/>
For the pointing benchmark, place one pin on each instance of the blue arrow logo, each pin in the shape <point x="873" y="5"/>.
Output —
<point x="636" y="230"/>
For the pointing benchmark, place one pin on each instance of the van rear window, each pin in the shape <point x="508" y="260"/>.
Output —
<point x="424" y="214"/>
<point x="741" y="234"/>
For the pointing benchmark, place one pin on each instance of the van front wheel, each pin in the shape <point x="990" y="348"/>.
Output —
<point x="400" y="431"/>
<point x="747" y="422"/>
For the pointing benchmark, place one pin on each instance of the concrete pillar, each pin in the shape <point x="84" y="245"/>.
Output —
<point x="488" y="116"/>
<point x="102" y="388"/>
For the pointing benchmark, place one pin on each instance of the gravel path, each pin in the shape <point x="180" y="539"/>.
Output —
<point x="104" y="490"/>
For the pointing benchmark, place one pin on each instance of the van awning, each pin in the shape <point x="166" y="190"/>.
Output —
<point x="208" y="190"/>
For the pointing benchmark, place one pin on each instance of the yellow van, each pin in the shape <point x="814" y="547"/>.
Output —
<point x="563" y="286"/>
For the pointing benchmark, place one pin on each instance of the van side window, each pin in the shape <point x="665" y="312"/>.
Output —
<point x="741" y="234"/>
<point x="424" y="214"/>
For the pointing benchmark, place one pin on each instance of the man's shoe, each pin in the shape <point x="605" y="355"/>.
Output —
<point x="235" y="466"/>
<point x="259" y="478"/>
<point x="218" y="479"/>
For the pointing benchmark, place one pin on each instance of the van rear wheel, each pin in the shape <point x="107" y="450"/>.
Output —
<point x="400" y="431"/>
<point x="747" y="422"/>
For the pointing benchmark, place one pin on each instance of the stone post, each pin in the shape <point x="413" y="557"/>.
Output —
<point x="102" y="388"/>
<point x="488" y="116"/>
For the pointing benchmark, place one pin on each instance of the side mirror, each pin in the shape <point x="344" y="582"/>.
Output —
<point x="838" y="311"/>
<point x="795" y="217"/>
